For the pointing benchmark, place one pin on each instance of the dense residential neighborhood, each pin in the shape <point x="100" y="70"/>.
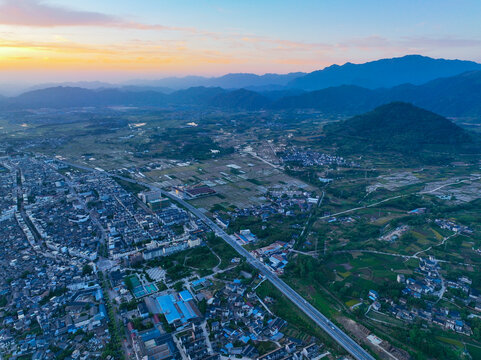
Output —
<point x="91" y="268"/>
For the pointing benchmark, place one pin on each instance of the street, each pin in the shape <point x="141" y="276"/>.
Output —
<point x="315" y="315"/>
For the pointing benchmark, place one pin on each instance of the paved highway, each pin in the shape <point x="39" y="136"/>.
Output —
<point x="337" y="334"/>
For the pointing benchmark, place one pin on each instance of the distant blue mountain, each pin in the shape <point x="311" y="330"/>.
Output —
<point x="66" y="97"/>
<point x="455" y="96"/>
<point x="228" y="81"/>
<point x="240" y="99"/>
<point x="384" y="73"/>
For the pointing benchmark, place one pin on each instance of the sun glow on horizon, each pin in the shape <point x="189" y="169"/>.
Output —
<point x="51" y="39"/>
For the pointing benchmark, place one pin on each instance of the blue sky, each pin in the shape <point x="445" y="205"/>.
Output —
<point x="116" y="40"/>
<point x="303" y="20"/>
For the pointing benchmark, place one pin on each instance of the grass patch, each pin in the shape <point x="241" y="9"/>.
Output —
<point x="449" y="341"/>
<point x="223" y="250"/>
<point x="201" y="258"/>
<point x="130" y="187"/>
<point x="352" y="302"/>
<point x="385" y="318"/>
<point x="286" y="310"/>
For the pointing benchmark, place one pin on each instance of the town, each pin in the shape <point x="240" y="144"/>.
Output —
<point x="220" y="180"/>
<point x="90" y="259"/>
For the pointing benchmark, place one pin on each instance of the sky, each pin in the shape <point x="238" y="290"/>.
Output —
<point x="117" y="40"/>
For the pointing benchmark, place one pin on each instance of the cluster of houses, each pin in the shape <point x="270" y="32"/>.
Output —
<point x="131" y="228"/>
<point x="292" y="351"/>
<point x="238" y="319"/>
<point x="169" y="325"/>
<point x="53" y="223"/>
<point x="49" y="305"/>
<point x="194" y="343"/>
<point x="278" y="201"/>
<point x="314" y="158"/>
<point x="125" y="223"/>
<point x="274" y="256"/>
<point x="428" y="282"/>
<point x="452" y="226"/>
<point x="237" y="322"/>
<point x="152" y="342"/>
<point x="53" y="209"/>
<point x="439" y="316"/>
<point x="8" y="195"/>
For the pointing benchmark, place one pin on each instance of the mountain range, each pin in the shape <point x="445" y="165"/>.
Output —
<point x="453" y="96"/>
<point x="457" y="96"/>
<point x="228" y="81"/>
<point x="413" y="69"/>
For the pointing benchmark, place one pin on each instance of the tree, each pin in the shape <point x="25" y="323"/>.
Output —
<point x="87" y="269"/>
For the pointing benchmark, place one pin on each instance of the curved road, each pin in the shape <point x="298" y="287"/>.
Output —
<point x="331" y="329"/>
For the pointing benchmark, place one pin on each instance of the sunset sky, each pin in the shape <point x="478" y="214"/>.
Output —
<point x="115" y="40"/>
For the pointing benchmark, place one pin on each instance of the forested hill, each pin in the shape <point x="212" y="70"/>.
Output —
<point x="399" y="127"/>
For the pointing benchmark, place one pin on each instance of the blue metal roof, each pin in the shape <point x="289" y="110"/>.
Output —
<point x="150" y="334"/>
<point x="186" y="311"/>
<point x="245" y="339"/>
<point x="198" y="282"/>
<point x="185" y="295"/>
<point x="174" y="309"/>
<point x="167" y="305"/>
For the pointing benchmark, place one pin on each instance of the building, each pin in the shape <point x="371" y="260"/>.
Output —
<point x="199" y="191"/>
<point x="223" y="223"/>
<point x="178" y="309"/>
<point x="148" y="196"/>
<point x="245" y="237"/>
<point x="154" y="199"/>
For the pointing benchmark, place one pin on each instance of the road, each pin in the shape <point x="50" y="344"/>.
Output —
<point x="361" y="207"/>
<point x="315" y="315"/>
<point x="405" y="257"/>
<point x="337" y="334"/>
<point x="254" y="155"/>
<point x="400" y="196"/>
<point x="475" y="178"/>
